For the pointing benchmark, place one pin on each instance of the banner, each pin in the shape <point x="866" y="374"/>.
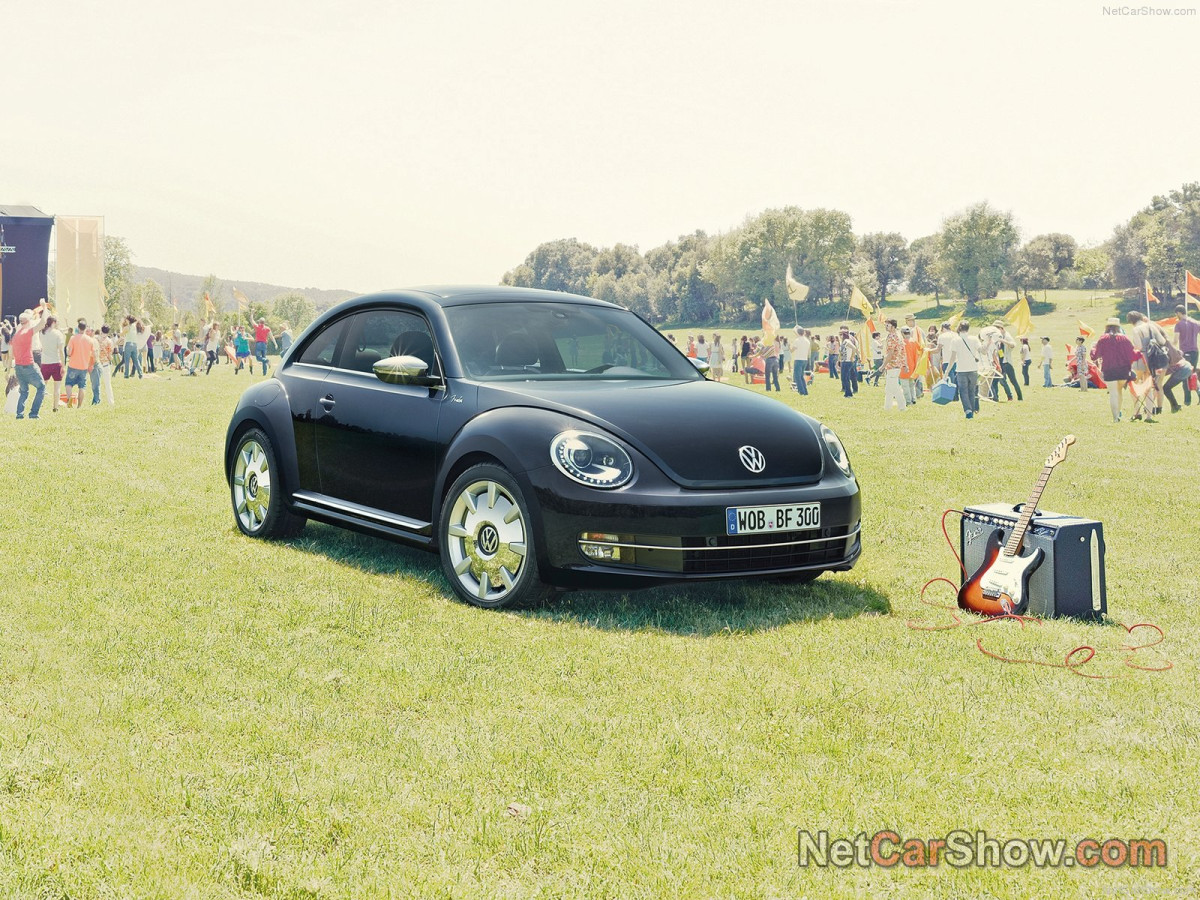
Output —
<point x="796" y="291"/>
<point x="1191" y="285"/>
<point x="770" y="322"/>
<point x="1020" y="317"/>
<point x="79" y="269"/>
<point x="859" y="301"/>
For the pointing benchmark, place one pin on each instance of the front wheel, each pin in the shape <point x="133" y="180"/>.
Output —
<point x="256" y="490"/>
<point x="487" y="541"/>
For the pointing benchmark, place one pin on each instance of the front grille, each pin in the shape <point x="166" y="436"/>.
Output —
<point x="750" y="552"/>
<point x="723" y="554"/>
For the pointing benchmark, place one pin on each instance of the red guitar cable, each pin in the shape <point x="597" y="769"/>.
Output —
<point x="1073" y="662"/>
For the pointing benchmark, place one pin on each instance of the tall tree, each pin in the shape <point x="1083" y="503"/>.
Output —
<point x="977" y="250"/>
<point x="295" y="309"/>
<point x="888" y="253"/>
<point x="924" y="273"/>
<point x="1093" y="267"/>
<point x="118" y="277"/>
<point x="1159" y="242"/>
<point x="562" y="265"/>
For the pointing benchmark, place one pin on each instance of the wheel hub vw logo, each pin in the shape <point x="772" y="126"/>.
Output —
<point x="752" y="458"/>
<point x="489" y="539"/>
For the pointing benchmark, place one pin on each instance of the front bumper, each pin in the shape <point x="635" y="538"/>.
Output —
<point x="663" y="533"/>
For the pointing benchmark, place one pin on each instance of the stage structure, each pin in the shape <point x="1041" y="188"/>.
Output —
<point x="79" y="269"/>
<point x="24" y="257"/>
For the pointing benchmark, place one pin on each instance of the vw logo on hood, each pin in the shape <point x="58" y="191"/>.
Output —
<point x="752" y="458"/>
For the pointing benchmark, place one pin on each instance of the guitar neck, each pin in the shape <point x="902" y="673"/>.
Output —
<point x="1013" y="545"/>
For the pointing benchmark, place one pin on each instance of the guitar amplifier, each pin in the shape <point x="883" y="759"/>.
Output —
<point x="1070" y="579"/>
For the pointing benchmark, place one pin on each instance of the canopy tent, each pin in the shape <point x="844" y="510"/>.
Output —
<point x="24" y="257"/>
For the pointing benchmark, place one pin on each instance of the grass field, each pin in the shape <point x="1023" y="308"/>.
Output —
<point x="186" y="712"/>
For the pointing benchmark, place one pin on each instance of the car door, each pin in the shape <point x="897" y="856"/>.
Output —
<point x="377" y="442"/>
<point x="303" y="379"/>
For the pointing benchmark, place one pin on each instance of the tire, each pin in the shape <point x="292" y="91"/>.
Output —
<point x="484" y="509"/>
<point x="256" y="489"/>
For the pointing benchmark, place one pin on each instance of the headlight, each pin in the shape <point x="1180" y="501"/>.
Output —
<point x="591" y="459"/>
<point x="836" y="450"/>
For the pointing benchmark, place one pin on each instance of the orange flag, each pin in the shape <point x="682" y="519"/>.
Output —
<point x="1150" y="298"/>
<point x="1083" y="329"/>
<point x="1191" y="285"/>
<point x="1167" y="323"/>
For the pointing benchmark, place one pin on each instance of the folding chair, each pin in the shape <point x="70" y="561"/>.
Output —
<point x="1142" y="390"/>
<point x="987" y="374"/>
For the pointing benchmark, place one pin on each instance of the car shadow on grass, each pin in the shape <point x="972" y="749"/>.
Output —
<point x="735" y="607"/>
<point x="730" y="607"/>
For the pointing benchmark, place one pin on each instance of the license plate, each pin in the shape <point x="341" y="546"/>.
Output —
<point x="757" y="519"/>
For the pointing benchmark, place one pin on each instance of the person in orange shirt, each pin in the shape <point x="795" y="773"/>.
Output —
<point x="81" y="357"/>
<point x="912" y="350"/>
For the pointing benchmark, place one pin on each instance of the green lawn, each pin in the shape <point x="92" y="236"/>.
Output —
<point x="187" y="712"/>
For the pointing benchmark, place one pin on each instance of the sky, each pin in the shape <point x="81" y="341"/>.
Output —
<point x="373" y="145"/>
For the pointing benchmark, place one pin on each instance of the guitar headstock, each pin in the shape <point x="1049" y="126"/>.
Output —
<point x="1059" y="453"/>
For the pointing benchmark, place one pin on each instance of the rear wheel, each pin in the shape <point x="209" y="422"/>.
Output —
<point x="487" y="541"/>
<point x="256" y="489"/>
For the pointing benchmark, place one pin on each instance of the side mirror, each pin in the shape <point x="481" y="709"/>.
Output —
<point x="405" y="370"/>
<point x="701" y="364"/>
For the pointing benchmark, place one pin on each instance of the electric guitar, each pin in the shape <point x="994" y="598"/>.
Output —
<point x="1001" y="586"/>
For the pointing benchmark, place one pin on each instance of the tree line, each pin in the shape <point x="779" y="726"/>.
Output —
<point x="702" y="278"/>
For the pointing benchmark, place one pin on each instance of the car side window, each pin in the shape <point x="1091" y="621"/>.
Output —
<point x="377" y="334"/>
<point x="320" y="349"/>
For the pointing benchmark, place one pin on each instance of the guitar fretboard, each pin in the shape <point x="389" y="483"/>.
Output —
<point x="1013" y="545"/>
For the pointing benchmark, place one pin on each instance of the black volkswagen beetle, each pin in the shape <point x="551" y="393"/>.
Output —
<point x="536" y="440"/>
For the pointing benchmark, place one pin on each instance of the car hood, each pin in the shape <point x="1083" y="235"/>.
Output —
<point x="693" y="430"/>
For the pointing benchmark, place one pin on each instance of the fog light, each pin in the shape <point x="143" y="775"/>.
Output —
<point x="600" y="546"/>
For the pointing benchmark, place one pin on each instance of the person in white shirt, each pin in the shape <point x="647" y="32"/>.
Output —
<point x="945" y="336"/>
<point x="716" y="358"/>
<point x="53" y="360"/>
<point x="1047" y="359"/>
<point x="802" y="350"/>
<point x="964" y="353"/>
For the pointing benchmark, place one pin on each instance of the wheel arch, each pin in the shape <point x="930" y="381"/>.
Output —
<point x="274" y="419"/>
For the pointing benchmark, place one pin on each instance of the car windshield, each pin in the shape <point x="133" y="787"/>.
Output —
<point x="546" y="340"/>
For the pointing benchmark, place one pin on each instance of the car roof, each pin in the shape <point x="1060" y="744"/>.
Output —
<point x="460" y="295"/>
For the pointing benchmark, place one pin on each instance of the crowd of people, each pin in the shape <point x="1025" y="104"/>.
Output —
<point x="1147" y="362"/>
<point x="40" y="356"/>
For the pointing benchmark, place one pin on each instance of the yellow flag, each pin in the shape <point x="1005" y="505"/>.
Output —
<point x="208" y="306"/>
<point x="1020" y="318"/>
<point x="1084" y="330"/>
<point x="954" y="320"/>
<point x="1150" y="297"/>
<point x="796" y="291"/>
<point x="243" y="302"/>
<point x="859" y="301"/>
<point x="922" y="365"/>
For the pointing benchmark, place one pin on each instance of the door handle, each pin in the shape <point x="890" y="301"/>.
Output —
<point x="328" y="402"/>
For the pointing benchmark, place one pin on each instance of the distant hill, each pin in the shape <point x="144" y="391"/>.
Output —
<point x="186" y="289"/>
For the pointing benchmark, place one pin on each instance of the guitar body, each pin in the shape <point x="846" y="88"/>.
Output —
<point x="1001" y="586"/>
